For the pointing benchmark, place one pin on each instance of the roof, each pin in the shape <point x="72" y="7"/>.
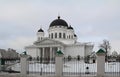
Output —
<point x="40" y="30"/>
<point x="58" y="22"/>
<point x="59" y="52"/>
<point x="100" y="51"/>
<point x="75" y="35"/>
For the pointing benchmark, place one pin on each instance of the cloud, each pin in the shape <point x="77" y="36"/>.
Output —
<point x="20" y="42"/>
<point x="91" y="19"/>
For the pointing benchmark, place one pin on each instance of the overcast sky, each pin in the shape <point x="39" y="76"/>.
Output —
<point x="92" y="20"/>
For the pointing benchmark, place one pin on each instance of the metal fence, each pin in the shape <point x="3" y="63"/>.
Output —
<point x="71" y="66"/>
<point x="112" y="66"/>
<point x="41" y="66"/>
<point x="7" y="65"/>
<point x="79" y="67"/>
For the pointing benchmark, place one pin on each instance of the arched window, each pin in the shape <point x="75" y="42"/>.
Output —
<point x="51" y="35"/>
<point x="55" y="35"/>
<point x="63" y="35"/>
<point x="59" y="35"/>
<point x="69" y="36"/>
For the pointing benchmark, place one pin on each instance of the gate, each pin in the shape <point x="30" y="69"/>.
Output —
<point x="79" y="67"/>
<point x="41" y="66"/>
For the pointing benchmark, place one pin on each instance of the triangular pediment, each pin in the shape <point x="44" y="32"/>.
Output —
<point x="48" y="41"/>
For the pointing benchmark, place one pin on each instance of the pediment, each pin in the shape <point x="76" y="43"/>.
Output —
<point x="47" y="42"/>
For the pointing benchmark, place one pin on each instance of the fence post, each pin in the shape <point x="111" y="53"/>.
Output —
<point x="24" y="64"/>
<point x="59" y="65"/>
<point x="100" y="63"/>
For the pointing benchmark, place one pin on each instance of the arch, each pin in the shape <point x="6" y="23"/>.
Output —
<point x="64" y="35"/>
<point x="60" y="34"/>
<point x="55" y="35"/>
<point x="51" y="35"/>
<point x="69" y="36"/>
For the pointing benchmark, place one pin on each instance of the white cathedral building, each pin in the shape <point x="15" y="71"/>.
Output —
<point x="61" y="37"/>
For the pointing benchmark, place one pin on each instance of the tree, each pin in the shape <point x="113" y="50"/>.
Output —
<point x="106" y="46"/>
<point x="114" y="54"/>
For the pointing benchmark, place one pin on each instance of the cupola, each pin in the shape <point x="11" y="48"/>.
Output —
<point x="59" y="22"/>
<point x="40" y="30"/>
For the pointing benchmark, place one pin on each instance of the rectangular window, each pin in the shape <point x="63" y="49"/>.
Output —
<point x="59" y="35"/>
<point x="63" y="35"/>
<point x="55" y="35"/>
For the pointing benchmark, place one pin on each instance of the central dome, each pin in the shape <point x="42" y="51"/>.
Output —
<point x="59" y="22"/>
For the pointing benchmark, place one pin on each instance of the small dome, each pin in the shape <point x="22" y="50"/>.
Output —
<point x="75" y="35"/>
<point x="59" y="22"/>
<point x="70" y="27"/>
<point x="40" y="30"/>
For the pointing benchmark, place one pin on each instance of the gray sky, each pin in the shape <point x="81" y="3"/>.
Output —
<point x="92" y="20"/>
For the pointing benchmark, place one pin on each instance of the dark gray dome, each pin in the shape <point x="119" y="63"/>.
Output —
<point x="40" y="30"/>
<point x="59" y="22"/>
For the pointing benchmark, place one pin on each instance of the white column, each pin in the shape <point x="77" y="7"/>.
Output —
<point x="59" y="65"/>
<point x="100" y="64"/>
<point x="50" y="52"/>
<point x="43" y="49"/>
<point x="40" y="52"/>
<point x="53" y="52"/>
<point x="24" y="65"/>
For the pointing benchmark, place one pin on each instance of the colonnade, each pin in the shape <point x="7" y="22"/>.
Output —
<point x="47" y="52"/>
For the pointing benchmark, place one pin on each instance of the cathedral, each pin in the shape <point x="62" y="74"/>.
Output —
<point x="61" y="36"/>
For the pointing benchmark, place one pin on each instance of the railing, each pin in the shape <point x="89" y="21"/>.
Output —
<point x="41" y="66"/>
<point x="71" y="66"/>
<point x="112" y="66"/>
<point x="78" y="67"/>
<point x="7" y="65"/>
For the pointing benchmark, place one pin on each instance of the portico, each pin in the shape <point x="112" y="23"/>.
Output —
<point x="47" y="52"/>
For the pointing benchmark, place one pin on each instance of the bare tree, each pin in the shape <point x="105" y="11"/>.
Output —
<point x="106" y="46"/>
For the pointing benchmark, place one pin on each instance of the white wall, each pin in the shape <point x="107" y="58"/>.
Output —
<point x="74" y="51"/>
<point x="62" y="30"/>
<point x="88" y="49"/>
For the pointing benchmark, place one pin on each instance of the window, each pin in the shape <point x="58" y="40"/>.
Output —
<point x="51" y="35"/>
<point x="69" y="36"/>
<point x="59" y="35"/>
<point x="55" y="35"/>
<point x="63" y="35"/>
